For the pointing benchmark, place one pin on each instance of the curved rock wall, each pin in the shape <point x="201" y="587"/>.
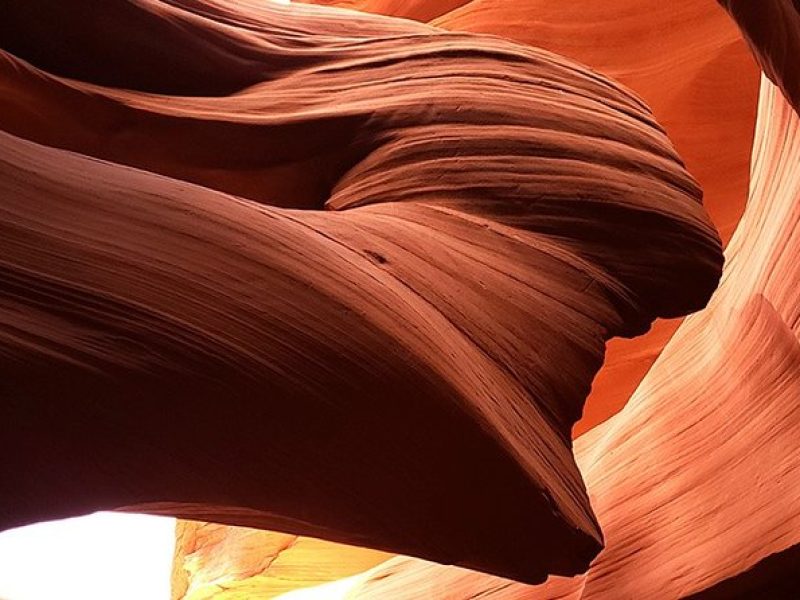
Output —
<point x="688" y="61"/>
<point x="696" y="482"/>
<point x="773" y="30"/>
<point x="357" y="288"/>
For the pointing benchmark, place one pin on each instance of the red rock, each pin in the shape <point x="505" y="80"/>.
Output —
<point x="696" y="482"/>
<point x="398" y="366"/>
<point x="419" y="10"/>
<point x="773" y="29"/>
<point x="679" y="56"/>
<point x="219" y="561"/>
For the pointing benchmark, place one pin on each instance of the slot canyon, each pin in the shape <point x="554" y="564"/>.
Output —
<point x="400" y="299"/>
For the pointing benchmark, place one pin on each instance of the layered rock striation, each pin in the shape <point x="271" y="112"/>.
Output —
<point x="355" y="287"/>
<point x="687" y="60"/>
<point x="695" y="482"/>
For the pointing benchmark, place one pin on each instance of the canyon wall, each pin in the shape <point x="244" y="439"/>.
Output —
<point x="695" y="482"/>
<point x="367" y="271"/>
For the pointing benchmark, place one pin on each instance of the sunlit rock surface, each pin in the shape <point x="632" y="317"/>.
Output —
<point x="237" y="563"/>
<point x="696" y="482"/>
<point x="342" y="276"/>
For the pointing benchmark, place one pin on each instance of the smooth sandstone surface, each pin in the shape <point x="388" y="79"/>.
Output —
<point x="772" y="28"/>
<point x="696" y="481"/>
<point x="419" y="10"/>
<point x="679" y="57"/>
<point x="357" y="287"/>
<point x="229" y="563"/>
<point x="692" y="96"/>
<point x="688" y="61"/>
<point x="701" y="499"/>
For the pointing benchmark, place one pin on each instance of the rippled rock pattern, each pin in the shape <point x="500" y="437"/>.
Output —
<point x="336" y="275"/>
<point x="686" y="59"/>
<point x="695" y="482"/>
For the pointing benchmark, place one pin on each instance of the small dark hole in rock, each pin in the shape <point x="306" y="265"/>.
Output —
<point x="376" y="256"/>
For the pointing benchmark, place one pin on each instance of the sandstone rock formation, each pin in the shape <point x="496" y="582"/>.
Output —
<point x="228" y="563"/>
<point x="680" y="57"/>
<point x="419" y="10"/>
<point x="773" y="29"/>
<point x="696" y="482"/>
<point x="337" y="275"/>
